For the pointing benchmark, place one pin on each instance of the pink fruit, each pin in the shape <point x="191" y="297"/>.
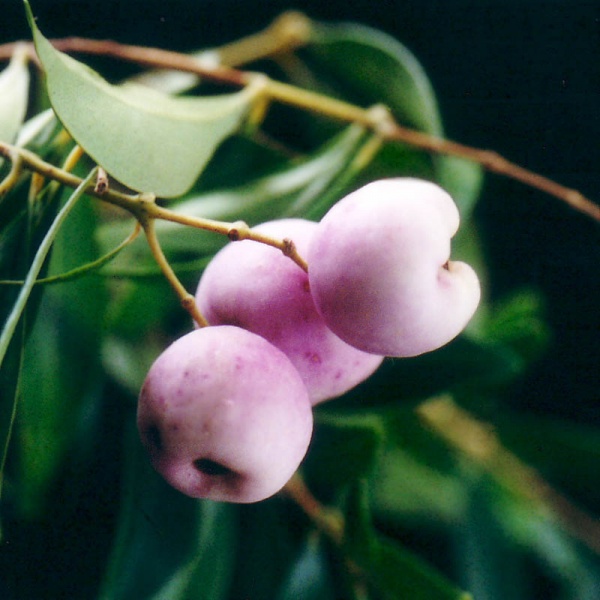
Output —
<point x="256" y="287"/>
<point x="380" y="273"/>
<point x="224" y="415"/>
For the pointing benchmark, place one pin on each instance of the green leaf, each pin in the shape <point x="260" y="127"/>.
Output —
<point x="147" y="140"/>
<point x="356" y="438"/>
<point x="309" y="577"/>
<point x="518" y="323"/>
<point x="14" y="91"/>
<point x="168" y="546"/>
<point x="369" y="67"/>
<point x="10" y="326"/>
<point x="61" y="364"/>
<point x="387" y="566"/>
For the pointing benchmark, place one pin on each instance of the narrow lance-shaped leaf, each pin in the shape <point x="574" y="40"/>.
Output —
<point x="147" y="140"/>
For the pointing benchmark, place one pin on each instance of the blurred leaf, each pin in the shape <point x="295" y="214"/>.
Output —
<point x="517" y="323"/>
<point x="11" y="323"/>
<point x="534" y="529"/>
<point x="387" y="566"/>
<point x="14" y="91"/>
<point x="369" y="67"/>
<point x="406" y="486"/>
<point x="416" y="476"/>
<point x="309" y="577"/>
<point x="61" y="362"/>
<point x="38" y="130"/>
<point x="22" y="229"/>
<point x="128" y="361"/>
<point x="310" y="185"/>
<point x="168" y="546"/>
<point x="376" y="67"/>
<point x="147" y="140"/>
<point x="239" y="159"/>
<point x="493" y="574"/>
<point x="566" y="453"/>
<point x="358" y="438"/>
<point x="269" y="539"/>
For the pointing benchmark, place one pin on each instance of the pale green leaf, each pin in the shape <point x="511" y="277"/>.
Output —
<point x="14" y="91"/>
<point x="147" y="140"/>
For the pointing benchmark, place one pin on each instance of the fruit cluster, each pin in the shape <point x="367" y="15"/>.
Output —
<point x="226" y="411"/>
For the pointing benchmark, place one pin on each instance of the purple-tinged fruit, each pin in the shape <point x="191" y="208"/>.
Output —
<point x="225" y="415"/>
<point x="256" y="287"/>
<point x="380" y="272"/>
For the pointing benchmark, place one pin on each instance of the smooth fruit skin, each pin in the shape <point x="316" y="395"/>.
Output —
<point x="380" y="273"/>
<point x="224" y="415"/>
<point x="256" y="287"/>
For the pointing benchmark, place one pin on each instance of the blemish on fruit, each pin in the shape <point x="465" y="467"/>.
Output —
<point x="313" y="357"/>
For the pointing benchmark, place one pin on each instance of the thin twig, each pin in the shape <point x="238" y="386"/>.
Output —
<point x="140" y="55"/>
<point x="84" y="269"/>
<point x="11" y="179"/>
<point x="327" y="520"/>
<point x="187" y="300"/>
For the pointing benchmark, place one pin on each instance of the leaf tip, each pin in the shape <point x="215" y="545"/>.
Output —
<point x="31" y="20"/>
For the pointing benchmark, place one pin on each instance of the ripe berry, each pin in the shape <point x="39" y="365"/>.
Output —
<point x="224" y="415"/>
<point x="256" y="287"/>
<point x="380" y="272"/>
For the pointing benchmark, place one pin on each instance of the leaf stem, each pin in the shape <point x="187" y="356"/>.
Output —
<point x="494" y="162"/>
<point x="328" y="520"/>
<point x="87" y="268"/>
<point x="16" y="167"/>
<point x="188" y="302"/>
<point x="288" y="31"/>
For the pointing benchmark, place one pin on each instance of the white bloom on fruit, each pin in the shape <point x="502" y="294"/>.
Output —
<point x="256" y="287"/>
<point x="380" y="273"/>
<point x="225" y="415"/>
